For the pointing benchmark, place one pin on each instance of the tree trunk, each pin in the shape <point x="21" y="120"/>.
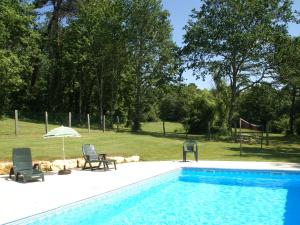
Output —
<point x="80" y="100"/>
<point x="137" y="106"/>
<point x="55" y="100"/>
<point x="100" y="97"/>
<point x="293" y="111"/>
<point x="114" y="91"/>
<point x="231" y="108"/>
<point x="233" y="87"/>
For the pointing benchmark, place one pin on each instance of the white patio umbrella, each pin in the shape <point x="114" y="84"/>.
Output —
<point x="62" y="132"/>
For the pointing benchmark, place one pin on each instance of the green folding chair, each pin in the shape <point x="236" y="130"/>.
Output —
<point x="91" y="156"/>
<point x="22" y="166"/>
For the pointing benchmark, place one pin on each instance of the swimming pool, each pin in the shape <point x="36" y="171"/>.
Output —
<point x="190" y="196"/>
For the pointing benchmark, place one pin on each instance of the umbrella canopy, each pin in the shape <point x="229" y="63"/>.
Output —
<point x="62" y="132"/>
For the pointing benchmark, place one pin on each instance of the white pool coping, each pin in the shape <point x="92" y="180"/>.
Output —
<point x="20" y="200"/>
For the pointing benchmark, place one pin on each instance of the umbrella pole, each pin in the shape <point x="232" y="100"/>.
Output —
<point x="64" y="153"/>
<point x="64" y="171"/>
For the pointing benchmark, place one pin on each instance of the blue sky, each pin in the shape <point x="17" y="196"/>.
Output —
<point x="180" y="10"/>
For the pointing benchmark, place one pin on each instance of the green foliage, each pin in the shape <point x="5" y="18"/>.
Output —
<point x="150" y="49"/>
<point x="176" y="104"/>
<point x="95" y="56"/>
<point x="222" y="96"/>
<point x="117" y="58"/>
<point x="19" y="53"/>
<point x="107" y="58"/>
<point x="286" y="62"/>
<point x="203" y="112"/>
<point x="264" y="104"/>
<point x="173" y="108"/>
<point x="193" y="107"/>
<point x="297" y="125"/>
<point x="234" y="40"/>
<point x="260" y="104"/>
<point x="280" y="125"/>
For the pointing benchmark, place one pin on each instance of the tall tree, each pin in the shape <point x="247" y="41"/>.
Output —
<point x="286" y="62"/>
<point x="95" y="49"/>
<point x="150" y="50"/>
<point x="55" y="14"/>
<point x="233" y="39"/>
<point x="18" y="53"/>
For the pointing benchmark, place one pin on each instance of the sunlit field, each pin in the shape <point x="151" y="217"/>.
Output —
<point x="149" y="144"/>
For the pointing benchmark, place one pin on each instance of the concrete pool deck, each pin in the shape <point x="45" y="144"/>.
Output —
<point x="19" y="200"/>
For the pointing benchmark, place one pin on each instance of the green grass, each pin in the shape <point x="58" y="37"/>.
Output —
<point x="149" y="144"/>
<point x="157" y="127"/>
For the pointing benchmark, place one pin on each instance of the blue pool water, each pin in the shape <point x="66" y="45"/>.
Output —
<point x="191" y="196"/>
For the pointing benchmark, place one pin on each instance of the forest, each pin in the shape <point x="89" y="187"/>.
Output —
<point x="117" y="58"/>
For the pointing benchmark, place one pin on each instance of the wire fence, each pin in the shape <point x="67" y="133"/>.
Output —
<point x="47" y="120"/>
<point x="29" y="122"/>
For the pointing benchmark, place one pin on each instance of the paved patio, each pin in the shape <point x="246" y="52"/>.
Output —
<point x="19" y="200"/>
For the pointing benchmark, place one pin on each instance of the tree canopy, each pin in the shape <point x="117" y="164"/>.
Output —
<point x="116" y="58"/>
<point x="233" y="40"/>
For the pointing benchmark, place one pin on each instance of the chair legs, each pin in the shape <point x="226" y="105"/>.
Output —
<point x="184" y="155"/>
<point x="196" y="155"/>
<point x="17" y="176"/>
<point x="105" y="165"/>
<point x="11" y="172"/>
<point x="99" y="166"/>
<point x="90" y="166"/>
<point x="107" y="162"/>
<point x="84" y="166"/>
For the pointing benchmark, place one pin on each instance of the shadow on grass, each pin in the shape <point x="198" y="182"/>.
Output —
<point x="173" y="136"/>
<point x="284" y="139"/>
<point x="285" y="154"/>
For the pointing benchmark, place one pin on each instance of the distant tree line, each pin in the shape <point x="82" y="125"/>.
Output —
<point x="117" y="58"/>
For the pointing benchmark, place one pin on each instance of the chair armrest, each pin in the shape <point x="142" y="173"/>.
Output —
<point x="102" y="156"/>
<point x="36" y="166"/>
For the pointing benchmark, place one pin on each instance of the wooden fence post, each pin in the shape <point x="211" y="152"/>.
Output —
<point x="70" y="119"/>
<point x="164" y="129"/>
<point x="103" y="123"/>
<point x="209" y="131"/>
<point x="89" y="124"/>
<point x="46" y="122"/>
<point x="16" y="122"/>
<point x="118" y="121"/>
<point x="267" y="134"/>
<point x="235" y="131"/>
<point x="240" y="135"/>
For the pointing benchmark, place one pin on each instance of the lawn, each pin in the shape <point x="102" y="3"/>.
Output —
<point x="149" y="144"/>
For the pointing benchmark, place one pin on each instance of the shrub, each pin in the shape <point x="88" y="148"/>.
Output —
<point x="203" y="111"/>
<point x="297" y="125"/>
<point x="279" y="126"/>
